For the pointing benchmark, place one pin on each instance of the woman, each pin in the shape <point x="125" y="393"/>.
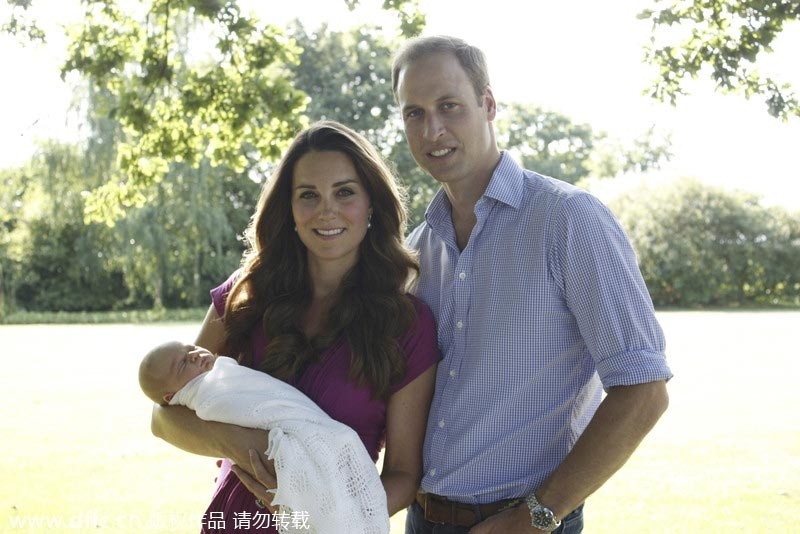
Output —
<point x="320" y="303"/>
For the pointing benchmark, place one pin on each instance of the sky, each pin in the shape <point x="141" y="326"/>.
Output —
<point x="581" y="58"/>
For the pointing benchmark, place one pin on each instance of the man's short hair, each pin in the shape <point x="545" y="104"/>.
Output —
<point x="470" y="58"/>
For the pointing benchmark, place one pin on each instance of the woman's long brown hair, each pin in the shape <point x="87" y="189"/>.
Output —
<point x="370" y="309"/>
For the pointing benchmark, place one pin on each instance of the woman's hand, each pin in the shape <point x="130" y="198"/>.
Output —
<point x="262" y="483"/>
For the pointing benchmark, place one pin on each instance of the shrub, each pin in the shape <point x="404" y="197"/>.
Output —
<point x="700" y="245"/>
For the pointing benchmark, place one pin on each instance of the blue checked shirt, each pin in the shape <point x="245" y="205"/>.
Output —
<point x="543" y="308"/>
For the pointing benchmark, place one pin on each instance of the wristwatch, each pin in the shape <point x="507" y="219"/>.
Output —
<point x="542" y="517"/>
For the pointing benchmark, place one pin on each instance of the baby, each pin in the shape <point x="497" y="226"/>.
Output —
<point x="169" y="367"/>
<point x="321" y="465"/>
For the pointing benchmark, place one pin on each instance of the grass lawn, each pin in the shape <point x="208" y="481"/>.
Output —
<point x="78" y="455"/>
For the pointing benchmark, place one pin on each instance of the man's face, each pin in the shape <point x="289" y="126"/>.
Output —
<point x="448" y="127"/>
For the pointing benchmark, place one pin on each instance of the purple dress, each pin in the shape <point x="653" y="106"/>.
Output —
<point x="233" y="508"/>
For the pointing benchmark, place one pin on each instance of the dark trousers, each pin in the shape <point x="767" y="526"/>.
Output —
<point x="416" y="524"/>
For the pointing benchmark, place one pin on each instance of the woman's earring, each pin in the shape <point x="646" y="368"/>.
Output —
<point x="369" y="222"/>
<point x="295" y="228"/>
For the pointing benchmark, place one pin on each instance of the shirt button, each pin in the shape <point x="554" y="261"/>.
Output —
<point x="432" y="472"/>
<point x="459" y="324"/>
<point x="441" y="423"/>
<point x="453" y="373"/>
<point x="462" y="276"/>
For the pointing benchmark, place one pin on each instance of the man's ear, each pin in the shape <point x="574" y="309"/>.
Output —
<point x="490" y="103"/>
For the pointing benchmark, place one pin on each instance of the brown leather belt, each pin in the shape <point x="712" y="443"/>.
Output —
<point x="443" y="511"/>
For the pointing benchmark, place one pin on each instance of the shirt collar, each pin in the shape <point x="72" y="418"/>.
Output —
<point x="506" y="186"/>
<point x="507" y="183"/>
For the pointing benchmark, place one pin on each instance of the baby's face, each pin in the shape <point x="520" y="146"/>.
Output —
<point x="181" y="363"/>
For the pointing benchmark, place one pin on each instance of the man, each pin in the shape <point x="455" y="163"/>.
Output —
<point x="540" y="306"/>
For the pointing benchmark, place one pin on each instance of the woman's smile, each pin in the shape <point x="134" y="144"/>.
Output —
<point x="333" y="232"/>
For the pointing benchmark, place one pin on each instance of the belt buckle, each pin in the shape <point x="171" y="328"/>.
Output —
<point x="434" y="504"/>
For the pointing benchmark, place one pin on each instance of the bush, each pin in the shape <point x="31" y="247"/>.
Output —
<point x="164" y="315"/>
<point x="703" y="246"/>
<point x="66" y="271"/>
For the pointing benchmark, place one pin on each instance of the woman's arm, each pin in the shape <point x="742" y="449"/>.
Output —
<point x="212" y="332"/>
<point x="406" y="418"/>
<point x="180" y="426"/>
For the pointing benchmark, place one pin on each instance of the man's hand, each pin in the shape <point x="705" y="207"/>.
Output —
<point x="262" y="483"/>
<point x="516" y="519"/>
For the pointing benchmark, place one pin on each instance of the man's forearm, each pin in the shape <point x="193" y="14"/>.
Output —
<point x="622" y="420"/>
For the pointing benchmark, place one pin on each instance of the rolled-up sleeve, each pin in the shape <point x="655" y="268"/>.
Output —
<point x="597" y="270"/>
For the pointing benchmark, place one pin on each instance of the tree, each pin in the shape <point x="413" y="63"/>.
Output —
<point x="347" y="77"/>
<point x="166" y="253"/>
<point x="20" y="24"/>
<point x="411" y="18"/>
<point x="185" y="240"/>
<point x="66" y="268"/>
<point x="53" y="260"/>
<point x="236" y="106"/>
<point x="546" y="141"/>
<point x="552" y="144"/>
<point x="611" y="158"/>
<point x="13" y="191"/>
<point x="725" y="36"/>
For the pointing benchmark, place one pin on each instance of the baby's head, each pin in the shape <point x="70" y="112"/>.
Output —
<point x="170" y="366"/>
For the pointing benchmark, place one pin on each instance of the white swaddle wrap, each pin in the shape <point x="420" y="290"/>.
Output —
<point x="321" y="464"/>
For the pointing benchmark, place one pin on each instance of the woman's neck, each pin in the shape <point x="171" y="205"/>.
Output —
<point x="326" y="277"/>
<point x="315" y="316"/>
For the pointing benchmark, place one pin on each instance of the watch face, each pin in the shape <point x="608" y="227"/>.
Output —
<point x="543" y="518"/>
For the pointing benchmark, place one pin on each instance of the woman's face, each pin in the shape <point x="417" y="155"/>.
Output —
<point x="331" y="208"/>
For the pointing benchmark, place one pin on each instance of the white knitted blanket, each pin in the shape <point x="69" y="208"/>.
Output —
<point x="324" y="472"/>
